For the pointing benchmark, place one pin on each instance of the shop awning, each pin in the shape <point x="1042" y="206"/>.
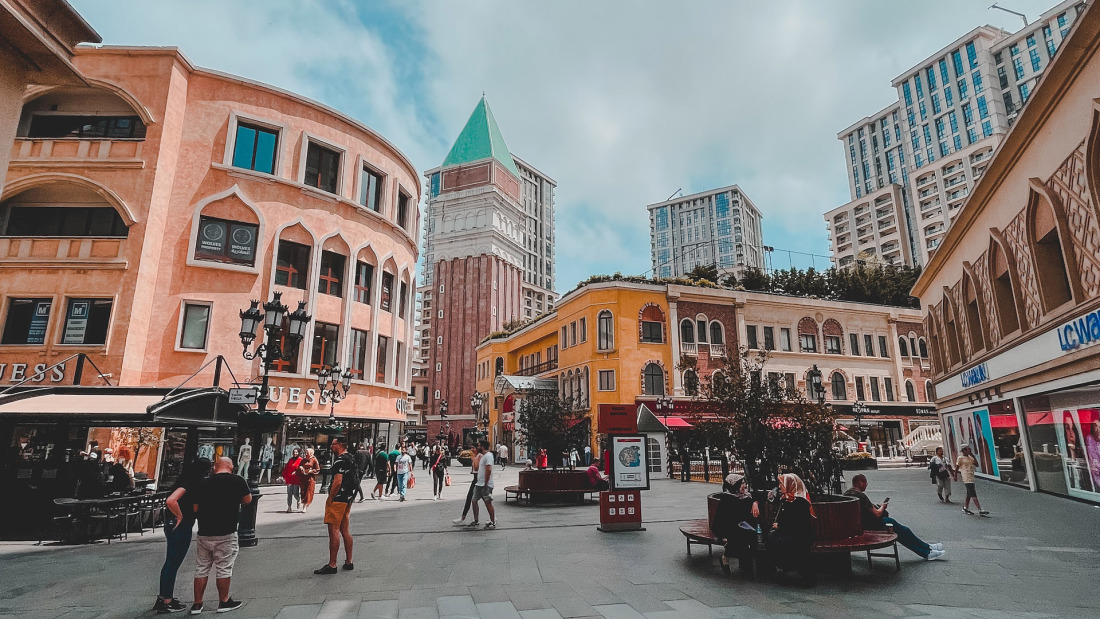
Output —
<point x="573" y="423"/>
<point x="675" y="423"/>
<point x="208" y="406"/>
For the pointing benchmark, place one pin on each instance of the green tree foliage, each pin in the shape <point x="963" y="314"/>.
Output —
<point x="770" y="430"/>
<point x="885" y="285"/>
<point x="545" y="419"/>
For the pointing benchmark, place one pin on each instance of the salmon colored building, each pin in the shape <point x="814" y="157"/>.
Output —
<point x="144" y="210"/>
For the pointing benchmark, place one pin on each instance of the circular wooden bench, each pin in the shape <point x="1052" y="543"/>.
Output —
<point x="520" y="493"/>
<point x="698" y="533"/>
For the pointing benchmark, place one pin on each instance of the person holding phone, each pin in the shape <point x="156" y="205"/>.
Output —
<point x="876" y="517"/>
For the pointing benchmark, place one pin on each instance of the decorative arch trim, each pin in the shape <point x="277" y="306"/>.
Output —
<point x="807" y="325"/>
<point x="664" y="374"/>
<point x="997" y="243"/>
<point x="983" y="326"/>
<point x="1092" y="159"/>
<point x="138" y="107"/>
<point x="234" y="191"/>
<point x="38" y="180"/>
<point x="1040" y="192"/>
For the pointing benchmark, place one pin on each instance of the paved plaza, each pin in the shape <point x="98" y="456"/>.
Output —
<point x="1035" y="557"/>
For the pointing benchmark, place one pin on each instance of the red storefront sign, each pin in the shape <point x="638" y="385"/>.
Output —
<point x="618" y="419"/>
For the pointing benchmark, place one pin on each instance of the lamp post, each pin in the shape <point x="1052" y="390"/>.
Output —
<point x="334" y="385"/>
<point x="663" y="405"/>
<point x="477" y="401"/>
<point x="277" y="323"/>
<point x="817" y="390"/>
<point x="859" y="409"/>
<point x="445" y="428"/>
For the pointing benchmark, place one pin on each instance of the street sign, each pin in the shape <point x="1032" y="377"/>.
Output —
<point x="243" y="395"/>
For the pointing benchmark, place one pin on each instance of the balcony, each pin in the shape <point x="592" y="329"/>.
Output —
<point x="718" y="351"/>
<point x="689" y="349"/>
<point x="924" y="180"/>
<point x="112" y="153"/>
<point x="540" y="368"/>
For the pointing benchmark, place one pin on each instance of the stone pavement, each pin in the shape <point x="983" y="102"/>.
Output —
<point x="1035" y="557"/>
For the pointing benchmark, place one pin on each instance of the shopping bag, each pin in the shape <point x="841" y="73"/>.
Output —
<point x="412" y="481"/>
<point x="447" y="480"/>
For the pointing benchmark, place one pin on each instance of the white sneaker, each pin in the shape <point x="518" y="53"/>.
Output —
<point x="936" y="554"/>
<point x="459" y="522"/>
<point x="936" y="546"/>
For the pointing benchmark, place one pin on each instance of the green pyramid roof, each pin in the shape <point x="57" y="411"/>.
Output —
<point x="481" y="139"/>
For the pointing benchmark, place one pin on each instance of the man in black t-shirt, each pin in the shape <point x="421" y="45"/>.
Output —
<point x="875" y="518"/>
<point x="218" y="508"/>
<point x="341" y="492"/>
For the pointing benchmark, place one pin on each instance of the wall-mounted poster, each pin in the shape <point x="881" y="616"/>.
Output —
<point x="1077" y="436"/>
<point x="972" y="429"/>
<point x="628" y="469"/>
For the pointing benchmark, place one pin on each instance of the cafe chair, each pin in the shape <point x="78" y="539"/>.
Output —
<point x="60" y="522"/>
<point x="107" y="518"/>
<point x="131" y="511"/>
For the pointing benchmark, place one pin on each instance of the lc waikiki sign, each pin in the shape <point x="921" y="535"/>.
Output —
<point x="1080" y="332"/>
<point x="975" y="376"/>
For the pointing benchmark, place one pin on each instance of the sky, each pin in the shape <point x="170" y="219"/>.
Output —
<point x="621" y="102"/>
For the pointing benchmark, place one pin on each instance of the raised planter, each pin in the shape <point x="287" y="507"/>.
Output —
<point x="546" y="479"/>
<point x="863" y="464"/>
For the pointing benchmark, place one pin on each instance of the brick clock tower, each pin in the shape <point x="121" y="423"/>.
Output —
<point x="488" y="260"/>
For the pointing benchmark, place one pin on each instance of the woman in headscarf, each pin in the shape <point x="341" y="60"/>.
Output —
<point x="792" y="532"/>
<point x="735" y="523"/>
<point x="293" y="481"/>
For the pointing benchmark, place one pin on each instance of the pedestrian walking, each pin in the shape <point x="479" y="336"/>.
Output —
<point x="964" y="467"/>
<point x="685" y="464"/>
<point x="218" y="510"/>
<point x="362" y="463"/>
<point x="483" y="486"/>
<point x="404" y="467"/>
<point x="941" y="472"/>
<point x="573" y="458"/>
<point x="341" y="493"/>
<point x="381" y="470"/>
<point x="293" y="482"/>
<point x="587" y="456"/>
<point x="392" y="487"/>
<point x="502" y="455"/>
<point x="307" y="475"/>
<point x="179" y="524"/>
<point x="460" y="522"/>
<point x="439" y="472"/>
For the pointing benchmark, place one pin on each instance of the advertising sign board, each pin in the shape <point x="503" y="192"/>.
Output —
<point x="618" y="419"/>
<point x="628" y="466"/>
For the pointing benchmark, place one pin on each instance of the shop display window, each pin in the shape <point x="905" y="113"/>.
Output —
<point x="993" y="435"/>
<point x="1064" y="430"/>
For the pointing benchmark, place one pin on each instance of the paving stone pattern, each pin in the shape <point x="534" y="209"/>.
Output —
<point x="1035" y="557"/>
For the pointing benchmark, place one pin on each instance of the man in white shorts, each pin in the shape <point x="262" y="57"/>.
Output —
<point x="483" y="485"/>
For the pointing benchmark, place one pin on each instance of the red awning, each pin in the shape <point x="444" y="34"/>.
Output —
<point x="574" y="422"/>
<point x="675" y="423"/>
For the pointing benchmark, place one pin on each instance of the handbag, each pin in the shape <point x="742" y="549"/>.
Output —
<point x="447" y="480"/>
<point x="412" y="481"/>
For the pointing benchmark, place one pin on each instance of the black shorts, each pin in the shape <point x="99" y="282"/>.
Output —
<point x="971" y="491"/>
<point x="381" y="477"/>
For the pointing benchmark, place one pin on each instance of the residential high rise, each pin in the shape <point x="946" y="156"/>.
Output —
<point x="912" y="165"/>
<point x="488" y="259"/>
<point x="719" y="227"/>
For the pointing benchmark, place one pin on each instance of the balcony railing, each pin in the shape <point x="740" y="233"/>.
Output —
<point x="539" y="368"/>
<point x="717" y="350"/>
<point x="689" y="349"/>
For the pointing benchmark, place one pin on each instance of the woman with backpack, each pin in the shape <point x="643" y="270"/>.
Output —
<point x="939" y="469"/>
<point x="439" y="472"/>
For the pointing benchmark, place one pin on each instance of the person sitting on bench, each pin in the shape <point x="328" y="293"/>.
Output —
<point x="595" y="479"/>
<point x="875" y="518"/>
<point x="735" y="523"/>
<point x="792" y="533"/>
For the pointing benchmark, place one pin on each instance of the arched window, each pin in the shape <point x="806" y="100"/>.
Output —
<point x="929" y="393"/>
<point x="951" y="332"/>
<point x="605" y="331"/>
<point x="1004" y="290"/>
<point x="923" y="345"/>
<point x="974" y="324"/>
<point x="701" y="328"/>
<point x="687" y="331"/>
<point x="910" y="391"/>
<point x="583" y="377"/>
<point x="569" y="391"/>
<point x="1049" y="251"/>
<point x="653" y="380"/>
<point x="840" y="387"/>
<point x="691" y="382"/>
<point x="499" y="366"/>
<point x="903" y="347"/>
<point x="651" y="325"/>
<point x="717" y="334"/>
<point x="653" y="459"/>
<point x="64" y="210"/>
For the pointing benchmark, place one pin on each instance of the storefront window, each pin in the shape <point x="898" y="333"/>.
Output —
<point x="993" y="435"/>
<point x="87" y="321"/>
<point x="26" y="322"/>
<point x="1064" y="429"/>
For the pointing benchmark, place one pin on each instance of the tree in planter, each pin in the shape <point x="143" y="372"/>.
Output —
<point x="771" y="428"/>
<point x="548" y="422"/>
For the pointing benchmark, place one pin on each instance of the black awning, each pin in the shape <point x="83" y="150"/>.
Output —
<point x="208" y="406"/>
<point x="120" y="405"/>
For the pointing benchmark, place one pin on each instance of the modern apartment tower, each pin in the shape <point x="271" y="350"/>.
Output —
<point x="488" y="260"/>
<point x="719" y="227"/>
<point x="912" y="165"/>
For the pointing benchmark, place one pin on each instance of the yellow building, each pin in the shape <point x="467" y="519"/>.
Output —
<point x="596" y="345"/>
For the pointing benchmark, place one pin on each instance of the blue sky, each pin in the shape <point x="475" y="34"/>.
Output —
<point x="621" y="102"/>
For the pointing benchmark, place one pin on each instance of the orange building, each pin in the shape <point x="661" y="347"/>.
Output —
<point x="142" y="212"/>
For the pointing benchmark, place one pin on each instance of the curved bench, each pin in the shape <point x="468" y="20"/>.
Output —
<point x="698" y="533"/>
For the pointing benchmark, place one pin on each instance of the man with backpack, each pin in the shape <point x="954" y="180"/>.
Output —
<point x="345" y="481"/>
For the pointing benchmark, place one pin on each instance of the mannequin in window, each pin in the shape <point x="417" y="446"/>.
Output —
<point x="244" y="457"/>
<point x="267" y="458"/>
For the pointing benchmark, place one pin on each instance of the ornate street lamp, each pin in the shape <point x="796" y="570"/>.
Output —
<point x="269" y="351"/>
<point x="817" y="390"/>
<point x="481" y="422"/>
<point x="334" y="385"/>
<point x="859" y="409"/>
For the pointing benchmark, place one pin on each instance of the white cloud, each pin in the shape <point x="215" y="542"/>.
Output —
<point x="621" y="102"/>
